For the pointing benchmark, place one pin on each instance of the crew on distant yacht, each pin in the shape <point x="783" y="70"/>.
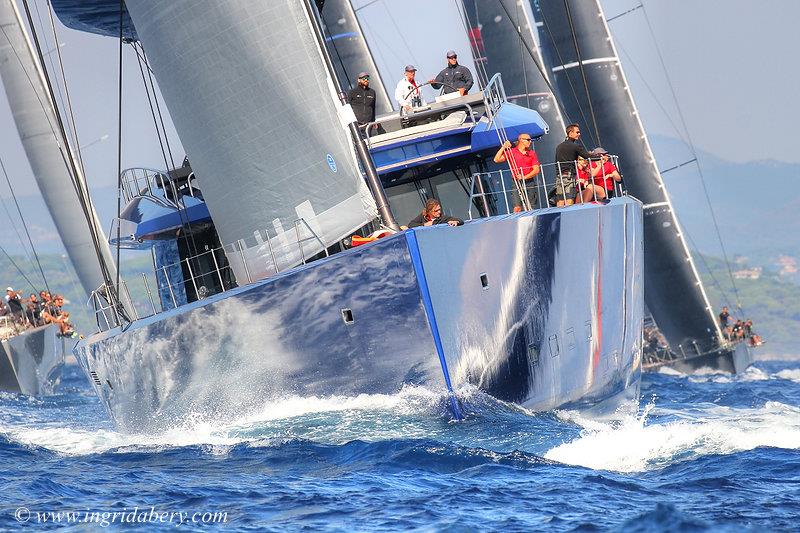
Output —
<point x="453" y="77"/>
<point x="14" y="303"/>
<point x="432" y="215"/>
<point x="566" y="157"/>
<point x="524" y="164"/>
<point x="34" y="312"/>
<point x="608" y="174"/>
<point x="407" y="93"/>
<point x="362" y="99"/>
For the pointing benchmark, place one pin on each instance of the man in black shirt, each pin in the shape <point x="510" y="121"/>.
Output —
<point x="567" y="154"/>
<point x="362" y="99"/>
<point x="453" y="77"/>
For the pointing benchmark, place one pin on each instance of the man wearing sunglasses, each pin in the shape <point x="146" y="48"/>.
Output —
<point x="453" y="77"/>
<point x="524" y="165"/>
<point x="362" y="99"/>
<point x="567" y="154"/>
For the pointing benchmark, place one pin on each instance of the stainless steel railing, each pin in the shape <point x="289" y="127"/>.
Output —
<point x="491" y="192"/>
<point x="108" y="314"/>
<point x="135" y="182"/>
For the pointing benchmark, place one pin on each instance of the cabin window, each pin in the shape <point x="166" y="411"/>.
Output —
<point x="347" y="316"/>
<point x="485" y="281"/>
<point x="553" y="340"/>
<point x="570" y="339"/>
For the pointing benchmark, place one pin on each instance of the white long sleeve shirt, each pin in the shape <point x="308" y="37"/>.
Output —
<point x="405" y="87"/>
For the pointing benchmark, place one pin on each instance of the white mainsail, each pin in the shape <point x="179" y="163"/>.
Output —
<point x="250" y="97"/>
<point x="34" y="115"/>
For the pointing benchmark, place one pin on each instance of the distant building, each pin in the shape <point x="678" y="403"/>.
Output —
<point x="748" y="273"/>
<point x="787" y="265"/>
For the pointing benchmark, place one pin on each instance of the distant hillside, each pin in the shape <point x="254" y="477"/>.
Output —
<point x="771" y="302"/>
<point x="756" y="203"/>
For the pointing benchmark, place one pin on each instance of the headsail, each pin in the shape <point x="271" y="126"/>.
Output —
<point x="258" y="115"/>
<point x="673" y="291"/>
<point x="495" y="39"/>
<point x="34" y="115"/>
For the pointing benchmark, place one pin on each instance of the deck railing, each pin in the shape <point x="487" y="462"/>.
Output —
<point x="291" y="253"/>
<point x="491" y="193"/>
<point x="135" y="182"/>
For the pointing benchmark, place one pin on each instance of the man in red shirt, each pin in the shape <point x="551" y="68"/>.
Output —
<point x="587" y="190"/>
<point x="524" y="166"/>
<point x="607" y="175"/>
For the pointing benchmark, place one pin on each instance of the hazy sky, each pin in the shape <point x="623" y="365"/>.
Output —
<point x="732" y="62"/>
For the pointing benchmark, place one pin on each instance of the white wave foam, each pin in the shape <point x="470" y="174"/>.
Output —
<point x="634" y="446"/>
<point x="256" y="430"/>
<point x="789" y="374"/>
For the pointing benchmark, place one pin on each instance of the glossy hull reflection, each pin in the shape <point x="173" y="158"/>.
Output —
<point x="543" y="309"/>
<point x="31" y="362"/>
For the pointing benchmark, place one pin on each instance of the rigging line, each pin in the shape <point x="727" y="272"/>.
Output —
<point x="725" y="298"/>
<point x="150" y="102"/>
<point x="339" y="57"/>
<point x="366" y="5"/>
<point x="50" y="51"/>
<point x="16" y="231"/>
<point x="539" y="66"/>
<point x="631" y="10"/>
<point x="64" y="147"/>
<point x="188" y="234"/>
<point x="24" y="225"/>
<point x="158" y="107"/>
<point x="522" y="58"/>
<point x="630" y="61"/>
<point x="676" y="167"/>
<point x="466" y="23"/>
<point x="71" y="114"/>
<point x="402" y="37"/>
<point x="569" y="81"/>
<point x="583" y="71"/>
<point x="21" y="273"/>
<point x="694" y="154"/>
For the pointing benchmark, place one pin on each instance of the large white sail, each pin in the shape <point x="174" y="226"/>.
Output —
<point x="34" y="116"/>
<point x="247" y="89"/>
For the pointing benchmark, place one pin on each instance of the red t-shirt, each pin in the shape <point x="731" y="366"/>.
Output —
<point x="607" y="169"/>
<point x="522" y="163"/>
<point x="583" y="175"/>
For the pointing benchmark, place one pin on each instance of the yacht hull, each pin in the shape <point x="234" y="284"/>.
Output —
<point x="543" y="309"/>
<point x="733" y="361"/>
<point x="31" y="362"/>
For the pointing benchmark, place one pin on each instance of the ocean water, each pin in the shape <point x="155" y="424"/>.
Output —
<point x="705" y="452"/>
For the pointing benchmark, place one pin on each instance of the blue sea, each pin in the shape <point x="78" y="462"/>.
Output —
<point x="706" y="452"/>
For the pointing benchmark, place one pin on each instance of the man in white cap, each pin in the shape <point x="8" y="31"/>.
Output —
<point x="407" y="92"/>
<point x="453" y="77"/>
<point x="15" y="304"/>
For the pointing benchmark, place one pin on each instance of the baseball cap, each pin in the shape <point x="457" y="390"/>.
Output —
<point x="411" y="68"/>
<point x="451" y="53"/>
<point x="8" y="288"/>
<point x="599" y="151"/>
<point x="363" y="75"/>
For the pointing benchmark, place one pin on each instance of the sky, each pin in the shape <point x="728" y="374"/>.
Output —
<point x="732" y="64"/>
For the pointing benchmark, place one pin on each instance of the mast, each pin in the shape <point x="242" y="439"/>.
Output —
<point x="350" y="51"/>
<point x="58" y="177"/>
<point x="502" y="38"/>
<point x="589" y="79"/>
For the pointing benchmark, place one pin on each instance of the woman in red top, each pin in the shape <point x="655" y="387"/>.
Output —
<point x="524" y="167"/>
<point x="607" y="174"/>
<point x="588" y="191"/>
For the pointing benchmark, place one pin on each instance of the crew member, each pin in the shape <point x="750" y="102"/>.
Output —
<point x="432" y="215"/>
<point x="524" y="165"/>
<point x="453" y="77"/>
<point x="407" y="93"/>
<point x="362" y="99"/>
<point x="607" y="174"/>
<point x="566" y="156"/>
<point x="15" y="305"/>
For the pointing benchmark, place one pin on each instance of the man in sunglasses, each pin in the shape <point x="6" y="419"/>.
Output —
<point x="524" y="165"/>
<point x="567" y="154"/>
<point x="453" y="77"/>
<point x="362" y="99"/>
